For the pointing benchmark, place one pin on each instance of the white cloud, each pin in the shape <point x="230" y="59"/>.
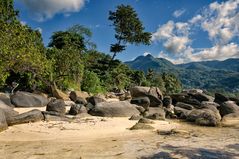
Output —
<point x="173" y="35"/>
<point x="39" y="29"/>
<point x="46" y="9"/>
<point x="178" y="13"/>
<point x="163" y="32"/>
<point x="217" y="52"/>
<point x="221" y="21"/>
<point x="196" y="19"/>
<point x="176" y="44"/>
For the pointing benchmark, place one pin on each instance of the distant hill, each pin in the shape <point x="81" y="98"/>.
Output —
<point x="210" y="75"/>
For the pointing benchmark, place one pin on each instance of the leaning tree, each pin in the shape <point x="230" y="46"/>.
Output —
<point x="128" y="29"/>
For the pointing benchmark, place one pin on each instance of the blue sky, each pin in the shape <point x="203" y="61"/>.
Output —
<point x="183" y="30"/>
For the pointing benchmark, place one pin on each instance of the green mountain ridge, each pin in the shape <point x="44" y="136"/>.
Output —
<point x="209" y="75"/>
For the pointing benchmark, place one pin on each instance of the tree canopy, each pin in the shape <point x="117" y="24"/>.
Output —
<point x="128" y="29"/>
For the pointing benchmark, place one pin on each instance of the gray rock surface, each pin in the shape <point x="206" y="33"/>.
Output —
<point x="31" y="116"/>
<point x="114" y="109"/>
<point x="26" y="99"/>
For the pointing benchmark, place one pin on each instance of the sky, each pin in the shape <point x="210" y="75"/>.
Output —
<point x="182" y="30"/>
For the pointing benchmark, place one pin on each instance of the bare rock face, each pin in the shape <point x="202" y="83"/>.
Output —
<point x="181" y="113"/>
<point x="153" y="93"/>
<point x="204" y="117"/>
<point x="184" y="106"/>
<point x="77" y="109"/>
<point x="141" y="126"/>
<point x="94" y="100"/>
<point x="3" y="121"/>
<point x="220" y="98"/>
<point x="7" y="110"/>
<point x="56" y="105"/>
<point x="201" y="97"/>
<point x="74" y="95"/>
<point x="31" y="116"/>
<point x="156" y="113"/>
<point x="141" y="101"/>
<point x="228" y="107"/>
<point x="26" y="99"/>
<point x="6" y="99"/>
<point x="114" y="109"/>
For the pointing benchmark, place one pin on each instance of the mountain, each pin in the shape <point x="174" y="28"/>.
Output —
<point x="229" y="64"/>
<point x="210" y="75"/>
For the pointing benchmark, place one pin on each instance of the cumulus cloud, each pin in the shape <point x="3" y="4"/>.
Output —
<point x="173" y="35"/>
<point x="219" y="20"/>
<point x="219" y="52"/>
<point x="46" y="9"/>
<point x="178" y="13"/>
<point x="196" y="19"/>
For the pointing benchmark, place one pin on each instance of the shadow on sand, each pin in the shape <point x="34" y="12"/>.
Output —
<point x="173" y="152"/>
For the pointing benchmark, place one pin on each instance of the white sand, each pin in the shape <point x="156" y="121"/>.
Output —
<point x="97" y="137"/>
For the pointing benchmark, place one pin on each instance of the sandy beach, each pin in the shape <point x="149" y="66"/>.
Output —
<point x="97" y="137"/>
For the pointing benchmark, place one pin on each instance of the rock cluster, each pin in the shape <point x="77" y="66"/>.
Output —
<point x="204" y="109"/>
<point x="143" y="104"/>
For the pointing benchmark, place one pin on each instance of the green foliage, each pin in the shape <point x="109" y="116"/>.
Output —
<point x="207" y="75"/>
<point x="21" y="49"/>
<point x="91" y="83"/>
<point x="172" y="84"/>
<point x="72" y="61"/>
<point x="7" y="12"/>
<point x="128" y="28"/>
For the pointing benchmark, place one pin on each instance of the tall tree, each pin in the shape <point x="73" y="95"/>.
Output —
<point x="128" y="28"/>
<point x="21" y="49"/>
<point x="7" y="12"/>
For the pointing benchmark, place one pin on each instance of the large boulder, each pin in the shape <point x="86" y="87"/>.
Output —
<point x="228" y="107"/>
<point x="231" y="120"/>
<point x="7" y="110"/>
<point x="156" y="113"/>
<point x="56" y="105"/>
<point x="94" y="100"/>
<point x="235" y="99"/>
<point x="181" y="113"/>
<point x="3" y="121"/>
<point x="77" y="109"/>
<point x="153" y="93"/>
<point x="54" y="116"/>
<point x="141" y="101"/>
<point x="114" y="109"/>
<point x="26" y="99"/>
<point x="74" y="95"/>
<point x="201" y="97"/>
<point x="205" y="117"/>
<point x="194" y="91"/>
<point x="209" y="105"/>
<point x="179" y="97"/>
<point x="208" y="118"/>
<point x="220" y="98"/>
<point x="6" y="99"/>
<point x="184" y="106"/>
<point x="167" y="101"/>
<point x="31" y="116"/>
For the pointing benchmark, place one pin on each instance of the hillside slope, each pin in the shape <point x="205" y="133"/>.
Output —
<point x="210" y="75"/>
